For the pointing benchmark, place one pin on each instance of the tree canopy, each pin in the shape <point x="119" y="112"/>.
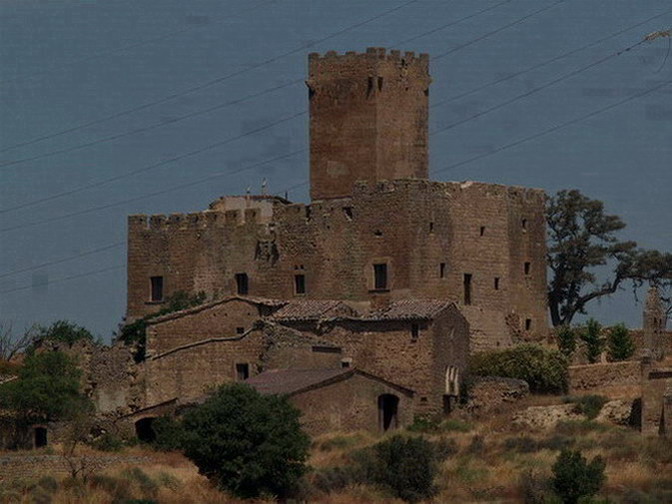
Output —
<point x="249" y="444"/>
<point x="582" y="238"/>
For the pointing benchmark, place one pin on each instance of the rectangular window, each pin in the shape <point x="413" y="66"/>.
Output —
<point x="242" y="372"/>
<point x="242" y="286"/>
<point x="442" y="270"/>
<point x="482" y="230"/>
<point x="156" y="288"/>
<point x="299" y="284"/>
<point x="380" y="276"/>
<point x="240" y="330"/>
<point x="527" y="268"/>
<point x="467" y="288"/>
<point x="415" y="332"/>
<point x="528" y="324"/>
<point x="496" y="283"/>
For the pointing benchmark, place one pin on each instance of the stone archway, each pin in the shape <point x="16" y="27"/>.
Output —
<point x="144" y="430"/>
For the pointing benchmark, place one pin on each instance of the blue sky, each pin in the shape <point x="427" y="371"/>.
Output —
<point x="121" y="107"/>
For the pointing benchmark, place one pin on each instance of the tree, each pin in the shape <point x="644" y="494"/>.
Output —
<point x="581" y="238"/>
<point x="249" y="444"/>
<point x="11" y="344"/>
<point x="591" y="335"/>
<point x="620" y="344"/>
<point x="574" y="477"/>
<point x="63" y="331"/>
<point x="407" y="467"/>
<point x="566" y="341"/>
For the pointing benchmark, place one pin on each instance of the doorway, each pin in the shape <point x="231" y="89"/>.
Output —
<point x="388" y="406"/>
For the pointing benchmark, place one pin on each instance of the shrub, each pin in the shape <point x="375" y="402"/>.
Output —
<point x="406" y="466"/>
<point x="546" y="371"/>
<point x="574" y="477"/>
<point x="591" y="335"/>
<point x="566" y="337"/>
<point x="445" y="448"/>
<point x="169" y="434"/>
<point x="455" y="425"/>
<point x="619" y="343"/>
<point x="424" y="423"/>
<point x="589" y="405"/>
<point x="147" y="485"/>
<point x="247" y="443"/>
<point x="63" y="331"/>
<point x="108" y="442"/>
<point x="536" y="489"/>
<point x="476" y="446"/>
<point x="523" y="444"/>
<point x="579" y="427"/>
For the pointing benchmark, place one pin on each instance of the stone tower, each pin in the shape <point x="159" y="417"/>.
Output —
<point x="655" y="321"/>
<point x="368" y="119"/>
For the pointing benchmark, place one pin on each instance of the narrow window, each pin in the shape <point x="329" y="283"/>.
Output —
<point x="380" y="83"/>
<point x="496" y="283"/>
<point x="299" y="284"/>
<point x="527" y="268"/>
<point x="482" y="230"/>
<point x="415" y="332"/>
<point x="523" y="223"/>
<point x="242" y="372"/>
<point x="467" y="288"/>
<point x="242" y="286"/>
<point x="240" y="330"/>
<point x="528" y="324"/>
<point x="369" y="87"/>
<point x="431" y="227"/>
<point x="380" y="276"/>
<point x="348" y="212"/>
<point x="442" y="270"/>
<point x="156" y="288"/>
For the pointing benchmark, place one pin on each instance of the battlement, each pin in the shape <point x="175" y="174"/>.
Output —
<point x="373" y="53"/>
<point x="197" y="220"/>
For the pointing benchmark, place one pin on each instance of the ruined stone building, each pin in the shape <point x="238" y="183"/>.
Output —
<point x="385" y="276"/>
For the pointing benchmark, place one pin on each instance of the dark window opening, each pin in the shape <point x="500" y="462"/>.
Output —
<point x="388" y="405"/>
<point x="369" y="87"/>
<point x="242" y="372"/>
<point x="299" y="284"/>
<point x="242" y="284"/>
<point x="326" y="349"/>
<point x="348" y="212"/>
<point x="523" y="223"/>
<point x="380" y="276"/>
<point x="426" y="91"/>
<point x="448" y="403"/>
<point x="40" y="434"/>
<point x="528" y="324"/>
<point x="482" y="230"/>
<point x="527" y="268"/>
<point x="144" y="430"/>
<point x="415" y="332"/>
<point x="496" y="283"/>
<point x="311" y="93"/>
<point x="240" y="330"/>
<point x="467" y="288"/>
<point x="345" y="363"/>
<point x="378" y="232"/>
<point x="442" y="270"/>
<point x="431" y="227"/>
<point x="156" y="288"/>
<point x="380" y="83"/>
<point x="423" y="399"/>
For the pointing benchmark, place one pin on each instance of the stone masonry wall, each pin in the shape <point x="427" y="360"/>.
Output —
<point x="612" y="374"/>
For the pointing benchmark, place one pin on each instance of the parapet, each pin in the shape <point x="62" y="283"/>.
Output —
<point x="372" y="58"/>
<point x="198" y="220"/>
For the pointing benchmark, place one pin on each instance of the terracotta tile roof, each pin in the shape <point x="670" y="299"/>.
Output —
<point x="312" y="309"/>
<point x="289" y="381"/>
<point x="409" y="309"/>
<point x="205" y="306"/>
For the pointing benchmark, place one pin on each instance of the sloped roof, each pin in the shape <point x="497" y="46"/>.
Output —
<point x="295" y="381"/>
<point x="312" y="309"/>
<point x="409" y="309"/>
<point x="205" y="306"/>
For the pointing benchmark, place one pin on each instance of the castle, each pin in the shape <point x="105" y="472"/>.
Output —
<point x="385" y="274"/>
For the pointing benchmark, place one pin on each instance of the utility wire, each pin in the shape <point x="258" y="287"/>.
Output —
<point x="63" y="260"/>
<point x="139" y="43"/>
<point x="65" y="279"/>
<point x="555" y="128"/>
<point x="538" y="88"/>
<point x="145" y="196"/>
<point x="154" y="165"/>
<point x="552" y="60"/>
<point x="205" y="85"/>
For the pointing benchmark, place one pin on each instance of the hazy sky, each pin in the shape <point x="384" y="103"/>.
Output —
<point x="117" y="107"/>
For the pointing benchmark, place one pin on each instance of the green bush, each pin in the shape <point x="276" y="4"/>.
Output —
<point x="169" y="434"/>
<point x="591" y="335"/>
<point x="589" y="405"/>
<point x="455" y="425"/>
<point x="108" y="442"/>
<point x="249" y="444"/>
<point x="546" y="371"/>
<point x="566" y="337"/>
<point x="619" y="343"/>
<point x="574" y="477"/>
<point x="424" y="423"/>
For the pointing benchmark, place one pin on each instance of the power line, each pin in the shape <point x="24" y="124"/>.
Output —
<point x="538" y="88"/>
<point x="153" y="165"/>
<point x="66" y="279"/>
<point x="483" y="37"/>
<point x="145" y="196"/>
<point x="136" y="44"/>
<point x="546" y="62"/>
<point x="63" y="260"/>
<point x="205" y="85"/>
<point x="555" y="128"/>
